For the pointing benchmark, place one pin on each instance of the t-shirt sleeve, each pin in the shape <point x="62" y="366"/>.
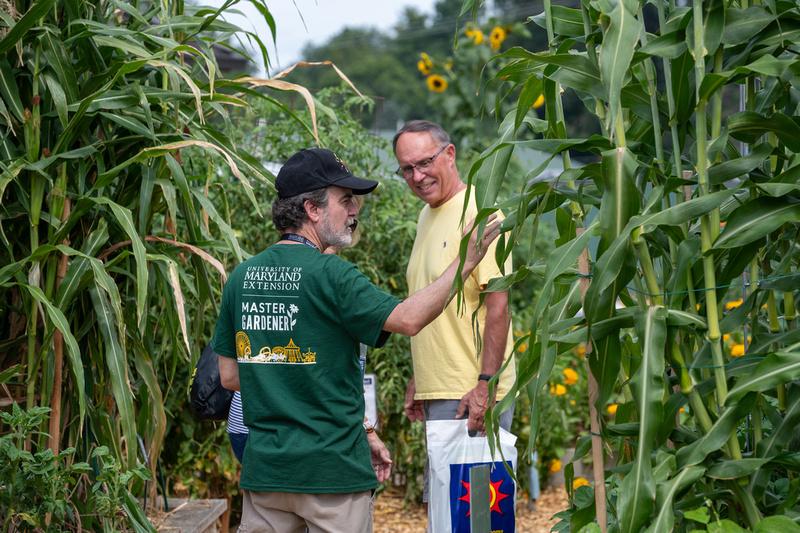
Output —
<point x="364" y="307"/>
<point x="225" y="331"/>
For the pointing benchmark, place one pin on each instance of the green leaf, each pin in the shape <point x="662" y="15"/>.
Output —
<point x="583" y="72"/>
<point x="37" y="10"/>
<point x="667" y="46"/>
<point x="61" y="323"/>
<point x="61" y="65"/>
<point x="637" y="491"/>
<point x="567" y="21"/>
<point x="776" y="369"/>
<point x="59" y="98"/>
<point x="617" y="51"/>
<point x="736" y="468"/>
<point x="130" y="124"/>
<point x="775" y="443"/>
<point x="700" y="514"/>
<point x="743" y="24"/>
<point x="725" y="526"/>
<point x="718" y="435"/>
<point x="125" y="220"/>
<point x="681" y="213"/>
<point x="777" y="524"/>
<point x="756" y="219"/>
<point x="227" y="231"/>
<point x="9" y="91"/>
<point x="117" y="364"/>
<point x="739" y="166"/>
<point x="748" y="126"/>
<point x="666" y="492"/>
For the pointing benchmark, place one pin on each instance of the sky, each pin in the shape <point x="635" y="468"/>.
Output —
<point x="323" y="19"/>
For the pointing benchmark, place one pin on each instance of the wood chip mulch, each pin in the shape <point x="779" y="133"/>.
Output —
<point x="391" y="516"/>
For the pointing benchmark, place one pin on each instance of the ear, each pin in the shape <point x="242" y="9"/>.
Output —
<point x="313" y="211"/>
<point x="451" y="153"/>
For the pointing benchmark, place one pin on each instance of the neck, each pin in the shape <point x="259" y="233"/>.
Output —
<point x="307" y="233"/>
<point x="458" y="186"/>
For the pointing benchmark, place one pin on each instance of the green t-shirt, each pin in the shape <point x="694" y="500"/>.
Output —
<point x="294" y="319"/>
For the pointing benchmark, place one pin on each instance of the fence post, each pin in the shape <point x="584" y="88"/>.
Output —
<point x="598" y="466"/>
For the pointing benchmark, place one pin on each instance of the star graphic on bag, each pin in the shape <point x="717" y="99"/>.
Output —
<point x="495" y="496"/>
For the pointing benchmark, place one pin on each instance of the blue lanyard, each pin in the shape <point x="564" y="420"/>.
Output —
<point x="298" y="238"/>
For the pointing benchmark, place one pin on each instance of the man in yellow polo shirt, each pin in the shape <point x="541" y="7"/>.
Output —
<point x="451" y="369"/>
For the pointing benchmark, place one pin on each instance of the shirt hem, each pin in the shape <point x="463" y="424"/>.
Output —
<point x="309" y="490"/>
<point x="451" y="395"/>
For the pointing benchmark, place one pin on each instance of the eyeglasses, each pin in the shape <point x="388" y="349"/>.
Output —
<point x="407" y="172"/>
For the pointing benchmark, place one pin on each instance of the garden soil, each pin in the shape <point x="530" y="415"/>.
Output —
<point x="392" y="517"/>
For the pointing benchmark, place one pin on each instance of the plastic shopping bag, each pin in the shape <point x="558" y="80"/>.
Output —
<point x="451" y="454"/>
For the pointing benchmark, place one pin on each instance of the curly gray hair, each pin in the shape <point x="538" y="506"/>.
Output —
<point x="290" y="213"/>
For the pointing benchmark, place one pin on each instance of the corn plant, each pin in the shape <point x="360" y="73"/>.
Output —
<point x="112" y="256"/>
<point x="688" y="220"/>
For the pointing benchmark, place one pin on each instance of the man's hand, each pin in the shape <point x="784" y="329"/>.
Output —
<point x="381" y="458"/>
<point x="478" y="247"/>
<point x="476" y="402"/>
<point x="412" y="407"/>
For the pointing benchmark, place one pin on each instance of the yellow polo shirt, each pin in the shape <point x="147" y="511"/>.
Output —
<point x="445" y="353"/>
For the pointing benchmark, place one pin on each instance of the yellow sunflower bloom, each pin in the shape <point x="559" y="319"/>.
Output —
<point x="570" y="376"/>
<point x="737" y="350"/>
<point x="734" y="304"/>
<point x="558" y="389"/>
<point x="497" y="37"/>
<point x="523" y="347"/>
<point x="612" y="409"/>
<point x="423" y="67"/>
<point x="427" y="59"/>
<point x="726" y="337"/>
<point x="539" y="102"/>
<point x="475" y="35"/>
<point x="436" y="83"/>
<point x="579" y="482"/>
<point x="555" y="466"/>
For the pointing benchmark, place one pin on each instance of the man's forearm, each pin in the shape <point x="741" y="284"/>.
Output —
<point x="228" y="372"/>
<point x="419" y="309"/>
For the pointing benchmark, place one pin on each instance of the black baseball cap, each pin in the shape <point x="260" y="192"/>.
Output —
<point x="317" y="168"/>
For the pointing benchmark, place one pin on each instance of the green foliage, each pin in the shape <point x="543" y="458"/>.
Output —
<point x="43" y="491"/>
<point x="674" y="222"/>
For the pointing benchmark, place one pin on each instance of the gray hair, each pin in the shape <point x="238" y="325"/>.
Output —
<point x="290" y="213"/>
<point x="418" y="126"/>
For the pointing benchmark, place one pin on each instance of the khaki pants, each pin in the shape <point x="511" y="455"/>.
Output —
<point x="286" y="512"/>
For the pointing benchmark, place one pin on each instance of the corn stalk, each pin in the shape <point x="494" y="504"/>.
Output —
<point x="701" y="426"/>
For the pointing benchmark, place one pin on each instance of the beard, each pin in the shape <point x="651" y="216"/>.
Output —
<point x="333" y="238"/>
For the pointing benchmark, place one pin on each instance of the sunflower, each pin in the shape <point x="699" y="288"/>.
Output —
<point x="539" y="102"/>
<point x="558" y="389"/>
<point x="555" y="466"/>
<point x="426" y="59"/>
<point x="737" y="350"/>
<point x="497" y="37"/>
<point x="570" y="376"/>
<point x="436" y="83"/>
<point x="475" y="35"/>
<point x="612" y="409"/>
<point x="579" y="482"/>
<point x="423" y="68"/>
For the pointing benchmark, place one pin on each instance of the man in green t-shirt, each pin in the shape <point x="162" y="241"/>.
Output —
<point x="289" y="329"/>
